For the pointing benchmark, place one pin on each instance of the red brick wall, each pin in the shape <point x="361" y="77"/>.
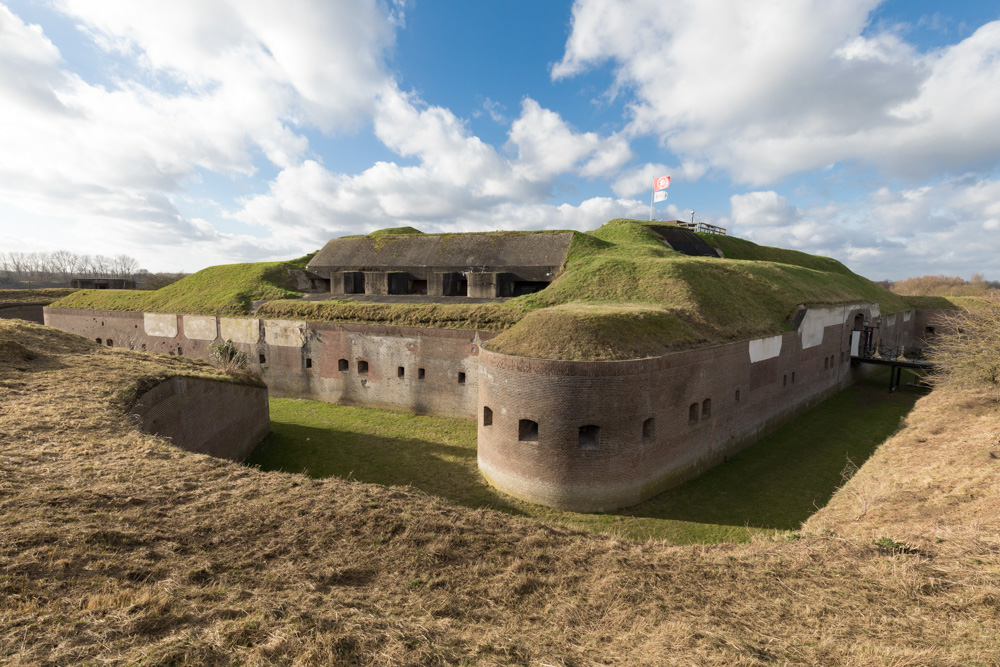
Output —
<point x="311" y="370"/>
<point x="618" y="397"/>
<point x="206" y="417"/>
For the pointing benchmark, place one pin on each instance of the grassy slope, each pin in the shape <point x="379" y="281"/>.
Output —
<point x="224" y="290"/>
<point x="621" y="294"/>
<point x="10" y="297"/>
<point x="116" y="548"/>
<point x="676" y="301"/>
<point x="774" y="485"/>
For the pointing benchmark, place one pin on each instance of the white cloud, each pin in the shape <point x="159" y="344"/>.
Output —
<point x="218" y="81"/>
<point x="459" y="183"/>
<point x="761" y="209"/>
<point x="547" y="146"/>
<point x="764" y="90"/>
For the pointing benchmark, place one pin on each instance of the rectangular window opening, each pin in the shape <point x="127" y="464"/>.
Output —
<point x="309" y="363"/>
<point x="527" y="430"/>
<point x="487" y="416"/>
<point x="648" y="430"/>
<point x="362" y="367"/>
<point x="590" y="437"/>
<point x="342" y="364"/>
<point x="693" y="414"/>
<point x="400" y="372"/>
<point x="706" y="408"/>
<point x="421" y="374"/>
<point x="737" y="395"/>
<point x="461" y="378"/>
<point x="262" y="359"/>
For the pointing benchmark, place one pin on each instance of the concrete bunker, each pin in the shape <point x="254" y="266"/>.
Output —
<point x="487" y="265"/>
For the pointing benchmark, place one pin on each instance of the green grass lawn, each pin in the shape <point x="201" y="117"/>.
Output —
<point x="772" y="486"/>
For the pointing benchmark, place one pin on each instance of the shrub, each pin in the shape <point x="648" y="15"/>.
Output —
<point x="967" y="351"/>
<point x="229" y="357"/>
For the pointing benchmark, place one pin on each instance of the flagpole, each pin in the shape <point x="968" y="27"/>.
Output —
<point x="653" y="194"/>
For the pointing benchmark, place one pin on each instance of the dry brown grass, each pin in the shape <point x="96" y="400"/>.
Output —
<point x="116" y="548"/>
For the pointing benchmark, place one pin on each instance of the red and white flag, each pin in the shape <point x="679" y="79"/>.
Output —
<point x="661" y="183"/>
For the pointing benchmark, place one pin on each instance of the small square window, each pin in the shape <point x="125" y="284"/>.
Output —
<point x="309" y="363"/>
<point x="527" y="430"/>
<point x="461" y="378"/>
<point x="342" y="364"/>
<point x="590" y="437"/>
<point x="400" y="372"/>
<point x="362" y="367"/>
<point x="262" y="359"/>
<point x="420" y="374"/>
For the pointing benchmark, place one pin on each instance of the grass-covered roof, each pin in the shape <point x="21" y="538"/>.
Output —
<point x="621" y="293"/>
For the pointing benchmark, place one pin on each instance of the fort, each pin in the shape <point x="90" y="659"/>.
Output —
<point x="651" y="392"/>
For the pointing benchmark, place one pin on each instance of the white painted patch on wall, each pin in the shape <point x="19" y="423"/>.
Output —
<point x="765" y="348"/>
<point x="199" y="327"/>
<point x="818" y="319"/>
<point x="160" y="324"/>
<point x="906" y="315"/>
<point x="285" y="333"/>
<point x="890" y="320"/>
<point x="239" y="330"/>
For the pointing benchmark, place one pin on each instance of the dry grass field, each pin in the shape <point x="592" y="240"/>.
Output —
<point x="117" y="548"/>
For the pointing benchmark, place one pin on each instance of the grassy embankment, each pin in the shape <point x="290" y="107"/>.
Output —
<point x="44" y="296"/>
<point x="621" y="294"/>
<point x="773" y="486"/>
<point x="117" y="548"/>
<point x="218" y="290"/>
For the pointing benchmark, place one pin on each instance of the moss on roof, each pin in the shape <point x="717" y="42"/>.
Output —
<point x="622" y="293"/>
<point x="228" y="289"/>
<point x="397" y="231"/>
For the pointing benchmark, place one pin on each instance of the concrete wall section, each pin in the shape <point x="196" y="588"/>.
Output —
<point x="239" y="330"/>
<point x="206" y="417"/>
<point x="160" y="324"/>
<point x="199" y="327"/>
<point x="284" y="333"/>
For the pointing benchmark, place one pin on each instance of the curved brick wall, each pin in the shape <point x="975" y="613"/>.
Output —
<point x="595" y="449"/>
<point x="221" y="419"/>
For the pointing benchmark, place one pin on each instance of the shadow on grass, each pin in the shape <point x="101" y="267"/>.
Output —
<point x="341" y="447"/>
<point x="774" y="485"/>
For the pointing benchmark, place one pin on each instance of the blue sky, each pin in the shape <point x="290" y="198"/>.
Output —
<point x="202" y="132"/>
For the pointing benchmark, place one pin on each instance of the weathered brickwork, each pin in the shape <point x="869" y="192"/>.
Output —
<point x="439" y="376"/>
<point x="29" y="312"/>
<point x="206" y="417"/>
<point x="587" y="436"/>
<point x="611" y="434"/>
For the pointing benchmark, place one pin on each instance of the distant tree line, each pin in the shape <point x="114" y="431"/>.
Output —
<point x="942" y="286"/>
<point x="56" y="269"/>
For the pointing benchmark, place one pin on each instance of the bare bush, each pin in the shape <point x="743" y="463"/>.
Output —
<point x="967" y="352"/>
<point x="945" y="286"/>
<point x="230" y="358"/>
